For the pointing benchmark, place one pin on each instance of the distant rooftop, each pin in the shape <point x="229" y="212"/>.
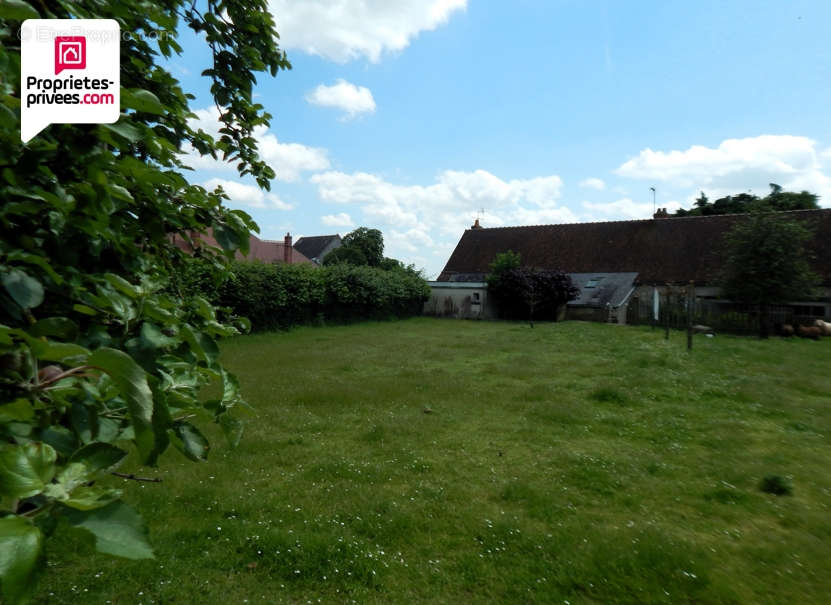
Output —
<point x="316" y="246"/>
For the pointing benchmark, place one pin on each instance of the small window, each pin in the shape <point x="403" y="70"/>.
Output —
<point x="592" y="283"/>
<point x="475" y="298"/>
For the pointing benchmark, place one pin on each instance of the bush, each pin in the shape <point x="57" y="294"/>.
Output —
<point x="277" y="296"/>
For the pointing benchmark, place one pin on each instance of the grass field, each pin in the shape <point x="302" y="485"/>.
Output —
<point x="477" y="462"/>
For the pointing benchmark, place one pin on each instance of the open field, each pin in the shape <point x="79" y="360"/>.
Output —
<point x="472" y="462"/>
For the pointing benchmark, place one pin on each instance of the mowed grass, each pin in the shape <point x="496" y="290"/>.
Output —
<point x="479" y="462"/>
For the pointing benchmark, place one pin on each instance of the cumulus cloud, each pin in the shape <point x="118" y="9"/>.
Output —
<point x="351" y="99"/>
<point x="593" y="183"/>
<point x="341" y="219"/>
<point x="349" y="29"/>
<point x="427" y="220"/>
<point x="289" y="160"/>
<point x="251" y="196"/>
<point x="737" y="165"/>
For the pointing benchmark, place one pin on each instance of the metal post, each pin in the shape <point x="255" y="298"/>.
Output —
<point x="667" y="308"/>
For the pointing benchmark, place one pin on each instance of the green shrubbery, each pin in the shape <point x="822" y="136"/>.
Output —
<point x="281" y="296"/>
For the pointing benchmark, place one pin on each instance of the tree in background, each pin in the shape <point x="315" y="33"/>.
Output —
<point x="99" y="348"/>
<point x="363" y="246"/>
<point x="767" y="263"/>
<point x="528" y="293"/>
<point x="776" y="200"/>
<point x="345" y="256"/>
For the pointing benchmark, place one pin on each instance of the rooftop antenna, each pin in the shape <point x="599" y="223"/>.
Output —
<point x="652" y="189"/>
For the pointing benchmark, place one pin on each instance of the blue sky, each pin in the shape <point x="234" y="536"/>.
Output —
<point x="415" y="116"/>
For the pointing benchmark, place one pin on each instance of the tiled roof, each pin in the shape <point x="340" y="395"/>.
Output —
<point x="668" y="250"/>
<point x="267" y="251"/>
<point x="316" y="245"/>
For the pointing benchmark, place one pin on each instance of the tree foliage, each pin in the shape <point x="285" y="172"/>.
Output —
<point x="363" y="246"/>
<point x="776" y="200"/>
<point x="766" y="262"/>
<point x="100" y="352"/>
<point x="527" y="293"/>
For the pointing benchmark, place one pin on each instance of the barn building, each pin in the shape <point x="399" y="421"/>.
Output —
<point x="617" y="264"/>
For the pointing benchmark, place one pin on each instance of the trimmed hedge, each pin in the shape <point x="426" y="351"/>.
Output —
<point x="281" y="296"/>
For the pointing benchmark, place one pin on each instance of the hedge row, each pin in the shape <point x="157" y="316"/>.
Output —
<point x="281" y="296"/>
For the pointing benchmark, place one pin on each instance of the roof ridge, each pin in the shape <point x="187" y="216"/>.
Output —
<point x="644" y="220"/>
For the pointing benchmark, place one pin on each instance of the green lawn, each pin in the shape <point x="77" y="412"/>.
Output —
<point x="478" y="462"/>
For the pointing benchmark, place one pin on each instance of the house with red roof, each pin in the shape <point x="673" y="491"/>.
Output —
<point x="267" y="251"/>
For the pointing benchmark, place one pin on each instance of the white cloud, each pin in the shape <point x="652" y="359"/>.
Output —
<point x="288" y="160"/>
<point x="737" y="165"/>
<point x="427" y="220"/>
<point x="593" y="183"/>
<point x="341" y="219"/>
<point x="348" y="29"/>
<point x="252" y="196"/>
<point x="351" y="99"/>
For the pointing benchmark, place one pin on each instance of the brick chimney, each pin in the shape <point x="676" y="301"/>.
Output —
<point x="287" y="249"/>
<point x="661" y="213"/>
<point x="476" y="224"/>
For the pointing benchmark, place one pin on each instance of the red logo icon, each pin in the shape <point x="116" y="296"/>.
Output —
<point x="70" y="53"/>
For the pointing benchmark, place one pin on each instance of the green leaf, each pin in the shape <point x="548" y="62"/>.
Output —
<point x="84" y="309"/>
<point x="193" y="443"/>
<point x="153" y="338"/>
<point x="23" y="288"/>
<point x="123" y="129"/>
<point x="230" y="387"/>
<point x="131" y="382"/>
<point x="142" y="100"/>
<point x="122" y="285"/>
<point x="34" y="259"/>
<point x="17" y="10"/>
<point x="60" y="351"/>
<point x="60" y="438"/>
<point x="70" y="477"/>
<point x="227" y="238"/>
<point x="59" y="327"/>
<point x="92" y="497"/>
<point x="201" y="344"/>
<point x="99" y="456"/>
<point x="84" y="420"/>
<point x="232" y="428"/>
<point x="26" y="469"/>
<point x="119" y="192"/>
<point x="21" y="553"/>
<point x="117" y="528"/>
<point x="18" y="410"/>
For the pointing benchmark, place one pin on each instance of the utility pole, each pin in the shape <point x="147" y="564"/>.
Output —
<point x="652" y="189"/>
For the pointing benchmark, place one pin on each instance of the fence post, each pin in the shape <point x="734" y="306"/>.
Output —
<point x="690" y="311"/>
<point x="667" y="308"/>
